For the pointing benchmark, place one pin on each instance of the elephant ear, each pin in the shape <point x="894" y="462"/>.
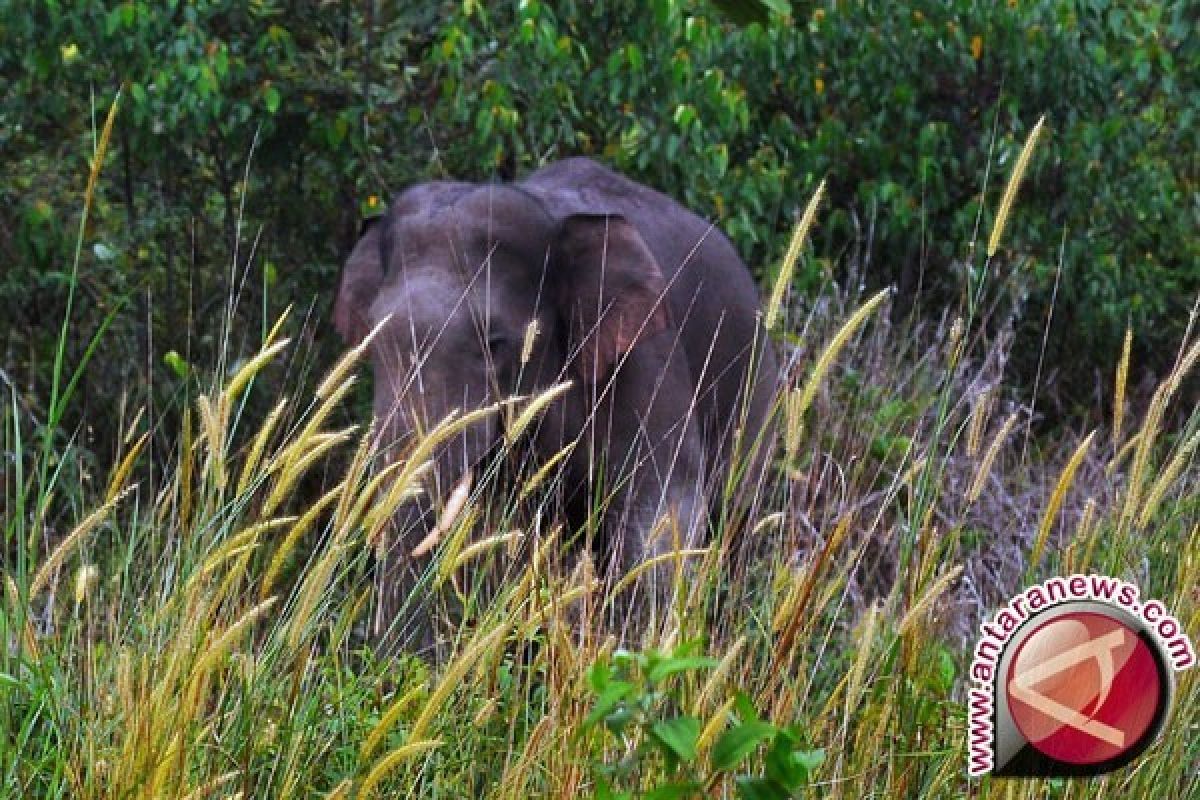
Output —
<point x="611" y="288"/>
<point x="361" y="277"/>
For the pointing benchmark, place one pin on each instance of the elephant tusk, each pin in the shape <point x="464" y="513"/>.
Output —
<point x="454" y="506"/>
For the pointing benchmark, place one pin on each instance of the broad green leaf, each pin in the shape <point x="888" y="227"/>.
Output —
<point x="678" y="736"/>
<point x="612" y="696"/>
<point x="670" y="666"/>
<point x="738" y="742"/>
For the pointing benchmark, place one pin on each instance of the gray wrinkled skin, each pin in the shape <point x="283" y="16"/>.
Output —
<point x="644" y="306"/>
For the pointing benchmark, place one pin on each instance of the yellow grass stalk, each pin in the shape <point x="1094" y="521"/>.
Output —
<point x="948" y="774"/>
<point x="86" y="578"/>
<point x="981" y="414"/>
<point x="956" y="342"/>
<point x="917" y="613"/>
<point x="388" y="721"/>
<point x="222" y="644"/>
<point x="341" y="791"/>
<point x="334" y="379"/>
<point x="1167" y="478"/>
<point x="243" y="376"/>
<point x="1148" y="435"/>
<point x="772" y="520"/>
<point x="714" y="726"/>
<point x="484" y="545"/>
<point x="1010" y="191"/>
<point x="460" y="532"/>
<point x="531" y="333"/>
<point x="716" y="678"/>
<point x="318" y="446"/>
<point x="293" y="537"/>
<point x="650" y="563"/>
<point x="558" y="602"/>
<point x="67" y="545"/>
<point x="258" y="446"/>
<point x="454" y="506"/>
<point x="865" y="639"/>
<point x="241" y="546"/>
<point x="302" y="441"/>
<point x="213" y="420"/>
<point x="786" y="619"/>
<point x="1121" y="382"/>
<point x="391" y="761"/>
<point x="346" y="618"/>
<point x="168" y="763"/>
<point x="1122" y="454"/>
<point x="908" y="479"/>
<point x="534" y="572"/>
<point x="246" y="538"/>
<point x="360" y="464"/>
<point x="369" y="494"/>
<point x="792" y="255"/>
<point x="485" y="712"/>
<point x="801" y="403"/>
<point x="452" y="678"/>
<point x="535" y="406"/>
<point x="989" y="456"/>
<point x="1056" y="499"/>
<point x="379" y="515"/>
<point x="538" y="477"/>
<point x="278" y="326"/>
<point x="315" y="582"/>
<point x="1086" y="533"/>
<point x="100" y="152"/>
<point x="121" y="473"/>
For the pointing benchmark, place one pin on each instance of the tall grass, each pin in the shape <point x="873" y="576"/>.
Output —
<point x="207" y="639"/>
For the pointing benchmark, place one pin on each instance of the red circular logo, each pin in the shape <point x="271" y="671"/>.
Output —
<point x="1084" y="688"/>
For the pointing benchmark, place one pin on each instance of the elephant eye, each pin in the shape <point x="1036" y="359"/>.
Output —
<point x="497" y="344"/>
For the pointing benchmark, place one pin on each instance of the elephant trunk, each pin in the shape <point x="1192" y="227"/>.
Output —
<point x="404" y="618"/>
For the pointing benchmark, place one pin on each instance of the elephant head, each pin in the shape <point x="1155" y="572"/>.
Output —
<point x="481" y="293"/>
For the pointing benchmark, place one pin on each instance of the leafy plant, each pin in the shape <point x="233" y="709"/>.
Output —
<point x="637" y="697"/>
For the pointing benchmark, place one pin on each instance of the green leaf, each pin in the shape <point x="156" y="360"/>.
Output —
<point x="673" y="791"/>
<point x="271" y="98"/>
<point x="176" y="363"/>
<point x="605" y="792"/>
<point x="671" y="666"/>
<point x="744" y="706"/>
<point x="598" y="676"/>
<point x="790" y="767"/>
<point x="609" y="699"/>
<point x="738" y="742"/>
<point x="678" y="736"/>
<point x="750" y="788"/>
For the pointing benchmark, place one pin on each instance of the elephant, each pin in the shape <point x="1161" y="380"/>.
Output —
<point x="643" y="306"/>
